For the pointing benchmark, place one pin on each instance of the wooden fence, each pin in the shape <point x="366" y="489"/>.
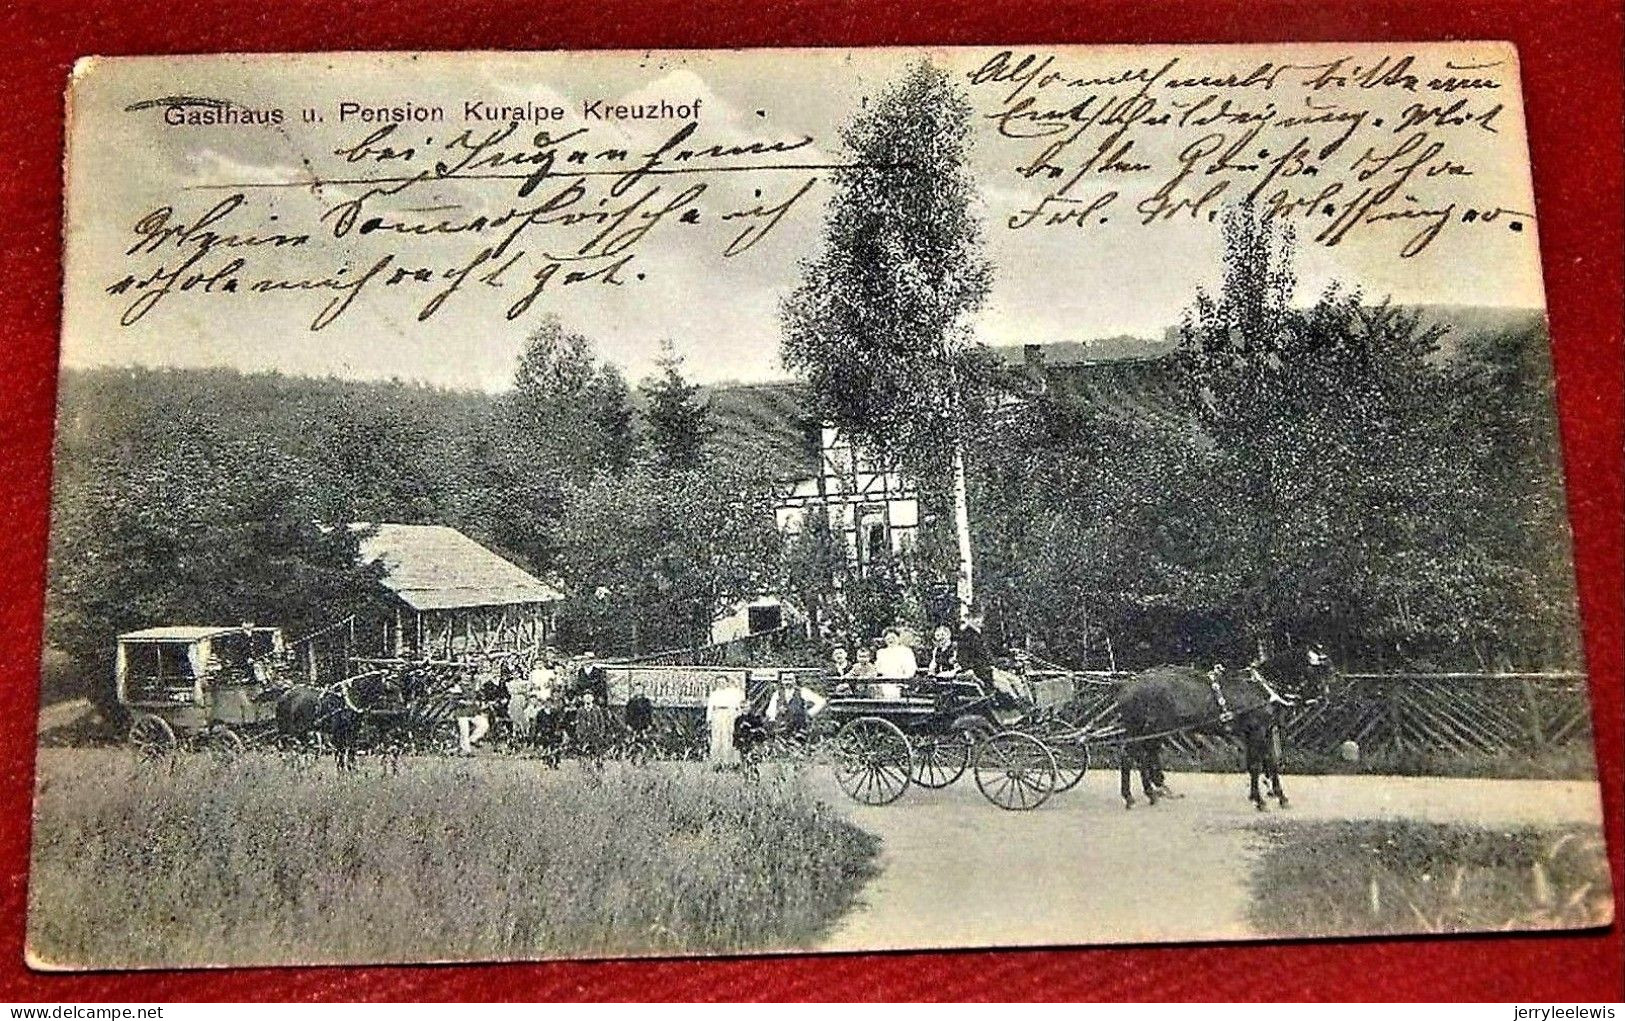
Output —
<point x="1402" y="713"/>
<point x="733" y="651"/>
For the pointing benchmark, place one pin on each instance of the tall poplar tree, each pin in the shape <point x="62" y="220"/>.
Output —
<point x="879" y="328"/>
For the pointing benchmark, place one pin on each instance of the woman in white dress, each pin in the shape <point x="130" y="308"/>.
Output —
<point x="893" y="663"/>
<point x="722" y="708"/>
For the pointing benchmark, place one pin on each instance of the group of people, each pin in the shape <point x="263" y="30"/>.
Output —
<point x="738" y="724"/>
<point x="555" y="699"/>
<point x="880" y="672"/>
<point x="552" y="699"/>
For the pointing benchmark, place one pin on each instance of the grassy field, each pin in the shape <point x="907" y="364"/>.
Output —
<point x="266" y="860"/>
<point x="1370" y="877"/>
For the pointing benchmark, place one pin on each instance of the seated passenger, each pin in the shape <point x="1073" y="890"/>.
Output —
<point x="944" y="665"/>
<point x="894" y="663"/>
<point x="839" y="661"/>
<point x="864" y="668"/>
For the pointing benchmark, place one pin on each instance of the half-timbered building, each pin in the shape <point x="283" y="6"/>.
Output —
<point x="873" y="508"/>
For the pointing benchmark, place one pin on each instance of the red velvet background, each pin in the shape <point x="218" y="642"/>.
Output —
<point x="1571" y="56"/>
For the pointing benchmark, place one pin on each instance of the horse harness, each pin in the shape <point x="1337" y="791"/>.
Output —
<point x="342" y="690"/>
<point x="1225" y="712"/>
<point x="1271" y="697"/>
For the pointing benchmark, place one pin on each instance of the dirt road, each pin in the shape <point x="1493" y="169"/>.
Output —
<point x="959" y="872"/>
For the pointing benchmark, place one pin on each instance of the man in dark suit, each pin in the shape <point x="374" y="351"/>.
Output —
<point x="973" y="653"/>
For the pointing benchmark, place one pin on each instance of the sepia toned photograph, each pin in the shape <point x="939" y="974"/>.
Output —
<point x="516" y="506"/>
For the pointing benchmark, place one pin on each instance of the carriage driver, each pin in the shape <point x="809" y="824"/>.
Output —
<point x="973" y="655"/>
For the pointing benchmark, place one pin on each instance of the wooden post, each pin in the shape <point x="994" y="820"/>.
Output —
<point x="1396" y="719"/>
<point x="1537" y="725"/>
<point x="1085" y="625"/>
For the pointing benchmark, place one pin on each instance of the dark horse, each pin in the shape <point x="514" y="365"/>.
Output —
<point x="337" y="711"/>
<point x="1243" y="704"/>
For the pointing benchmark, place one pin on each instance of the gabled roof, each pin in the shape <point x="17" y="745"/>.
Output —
<point x="436" y="567"/>
<point x="764" y="426"/>
<point x="1125" y="389"/>
<point x="177" y="633"/>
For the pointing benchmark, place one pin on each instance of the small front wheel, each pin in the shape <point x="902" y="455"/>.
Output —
<point x="1014" y="771"/>
<point x="940" y="760"/>
<point x="1071" y="762"/>
<point x="152" y="736"/>
<point x="224" y="743"/>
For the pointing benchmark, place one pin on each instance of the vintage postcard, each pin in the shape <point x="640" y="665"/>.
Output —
<point x="538" y="505"/>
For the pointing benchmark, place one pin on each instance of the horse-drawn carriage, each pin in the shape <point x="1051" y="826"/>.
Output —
<point x="196" y="686"/>
<point x="1023" y="750"/>
<point x="221" y="688"/>
<point x="938" y="730"/>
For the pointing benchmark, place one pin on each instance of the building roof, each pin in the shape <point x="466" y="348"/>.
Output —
<point x="1126" y="389"/>
<point x="436" y="567"/>
<point x="765" y="426"/>
<point x="179" y="633"/>
<point x="1095" y="350"/>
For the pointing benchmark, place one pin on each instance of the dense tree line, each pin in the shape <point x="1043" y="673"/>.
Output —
<point x="1413" y="516"/>
<point x="1344" y="471"/>
<point x="1348" y="471"/>
<point x="213" y="496"/>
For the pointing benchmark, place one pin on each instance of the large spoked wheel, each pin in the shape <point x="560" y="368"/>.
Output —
<point x="1014" y="771"/>
<point x="939" y="760"/>
<point x="873" y="761"/>
<point x="1071" y="762"/>
<point x="152" y="736"/>
<point x="224" y="743"/>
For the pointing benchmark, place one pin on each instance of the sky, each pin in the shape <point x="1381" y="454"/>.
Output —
<point x="721" y="314"/>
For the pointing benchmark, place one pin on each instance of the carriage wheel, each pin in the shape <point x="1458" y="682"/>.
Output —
<point x="224" y="743"/>
<point x="940" y="760"/>
<point x="873" y="761"/>
<point x="152" y="736"/>
<point x="1071" y="762"/>
<point x="1014" y="771"/>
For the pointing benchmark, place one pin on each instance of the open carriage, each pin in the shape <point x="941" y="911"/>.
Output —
<point x="932" y="733"/>
<point x="196" y="686"/>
